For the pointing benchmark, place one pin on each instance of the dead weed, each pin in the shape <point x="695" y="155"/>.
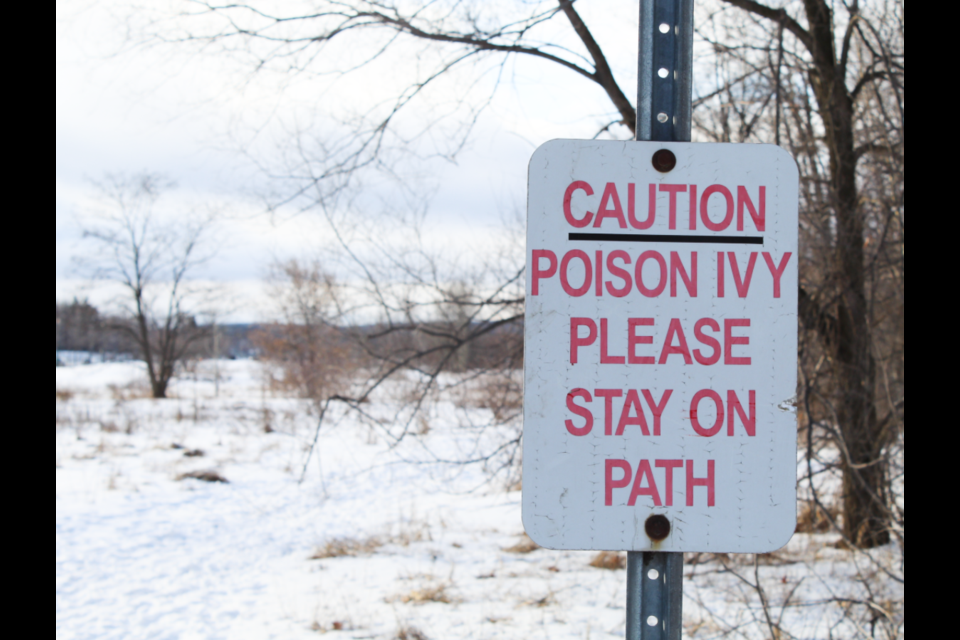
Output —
<point x="430" y="593"/>
<point x="610" y="560"/>
<point x="410" y="633"/>
<point x="131" y="391"/>
<point x="347" y="547"/>
<point x="813" y="519"/>
<point x="526" y="545"/>
<point x="540" y="603"/>
<point x="207" y="476"/>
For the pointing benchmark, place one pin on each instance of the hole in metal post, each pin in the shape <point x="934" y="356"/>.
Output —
<point x="663" y="73"/>
<point x="653" y="574"/>
<point x="652" y="621"/>
<point x="663" y="161"/>
<point x="657" y="526"/>
<point x="662" y="117"/>
<point x="664" y="27"/>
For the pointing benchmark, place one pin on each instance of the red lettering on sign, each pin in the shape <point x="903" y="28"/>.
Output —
<point x="669" y="465"/>
<point x="729" y="340"/>
<point x="743" y="284"/>
<point x="633" y="340"/>
<point x="704" y="339"/>
<point x="598" y="267"/>
<point x="693" y="207"/>
<point x="673" y="190"/>
<point x="708" y="482"/>
<point x="587" y="277"/>
<point x="609" y="483"/>
<point x="608" y="395"/>
<point x="576" y="341"/>
<point x="583" y="412"/>
<point x="579" y="185"/>
<point x="759" y="219"/>
<point x="735" y="408"/>
<point x="704" y="211"/>
<point x="638" y="274"/>
<point x="675" y="331"/>
<point x="644" y="471"/>
<point x="689" y="278"/>
<point x="539" y="273"/>
<point x="695" y="413"/>
<point x="610" y="195"/>
<point x="605" y="358"/>
<point x="657" y="408"/>
<point x="633" y="402"/>
<point x="623" y="274"/>
<point x="632" y="204"/>
<point x="721" y="278"/>
<point x="644" y="482"/>
<point x="776" y="272"/>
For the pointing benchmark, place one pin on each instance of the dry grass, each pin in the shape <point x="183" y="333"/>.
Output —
<point x="525" y="545"/>
<point x="500" y="392"/>
<point x="410" y="633"/>
<point x="65" y="395"/>
<point x="813" y="519"/>
<point x="109" y="426"/>
<point x="336" y="625"/>
<point x="207" y="476"/>
<point x="347" y="547"/>
<point x="407" y="534"/>
<point x="423" y="595"/>
<point x="503" y="396"/>
<point x="540" y="603"/>
<point x="132" y="391"/>
<point x="610" y="560"/>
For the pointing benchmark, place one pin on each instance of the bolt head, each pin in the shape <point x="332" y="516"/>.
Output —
<point x="664" y="160"/>
<point x="657" y="527"/>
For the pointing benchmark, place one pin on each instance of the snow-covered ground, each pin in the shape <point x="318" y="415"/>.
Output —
<point x="375" y="542"/>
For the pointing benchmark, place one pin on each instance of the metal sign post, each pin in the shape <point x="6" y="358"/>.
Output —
<point x="664" y="105"/>
<point x="660" y="340"/>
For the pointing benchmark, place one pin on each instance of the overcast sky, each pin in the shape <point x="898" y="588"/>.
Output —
<point x="122" y="109"/>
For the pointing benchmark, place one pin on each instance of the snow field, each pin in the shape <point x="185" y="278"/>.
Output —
<point x="374" y="540"/>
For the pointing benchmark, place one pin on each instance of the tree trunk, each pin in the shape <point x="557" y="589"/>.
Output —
<point x="865" y="514"/>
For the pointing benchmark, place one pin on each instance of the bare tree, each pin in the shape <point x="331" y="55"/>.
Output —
<point x="308" y="344"/>
<point x="152" y="260"/>
<point x="828" y="87"/>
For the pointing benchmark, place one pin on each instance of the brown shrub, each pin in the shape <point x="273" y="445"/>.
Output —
<point x="525" y="545"/>
<point x="64" y="395"/>
<point x="610" y="560"/>
<point x="206" y="476"/>
<point x="813" y="519"/>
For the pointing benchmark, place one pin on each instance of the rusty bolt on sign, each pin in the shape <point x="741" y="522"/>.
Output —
<point x="664" y="160"/>
<point x="657" y="526"/>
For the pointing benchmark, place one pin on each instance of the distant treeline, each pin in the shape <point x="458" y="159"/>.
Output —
<point x="82" y="327"/>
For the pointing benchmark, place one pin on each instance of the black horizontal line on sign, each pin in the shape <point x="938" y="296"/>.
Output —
<point x="653" y="237"/>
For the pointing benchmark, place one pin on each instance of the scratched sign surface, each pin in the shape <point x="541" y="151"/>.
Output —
<point x="660" y="347"/>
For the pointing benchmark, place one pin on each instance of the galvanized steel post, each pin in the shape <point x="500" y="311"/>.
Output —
<point x="664" y="104"/>
<point x="665" y="78"/>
